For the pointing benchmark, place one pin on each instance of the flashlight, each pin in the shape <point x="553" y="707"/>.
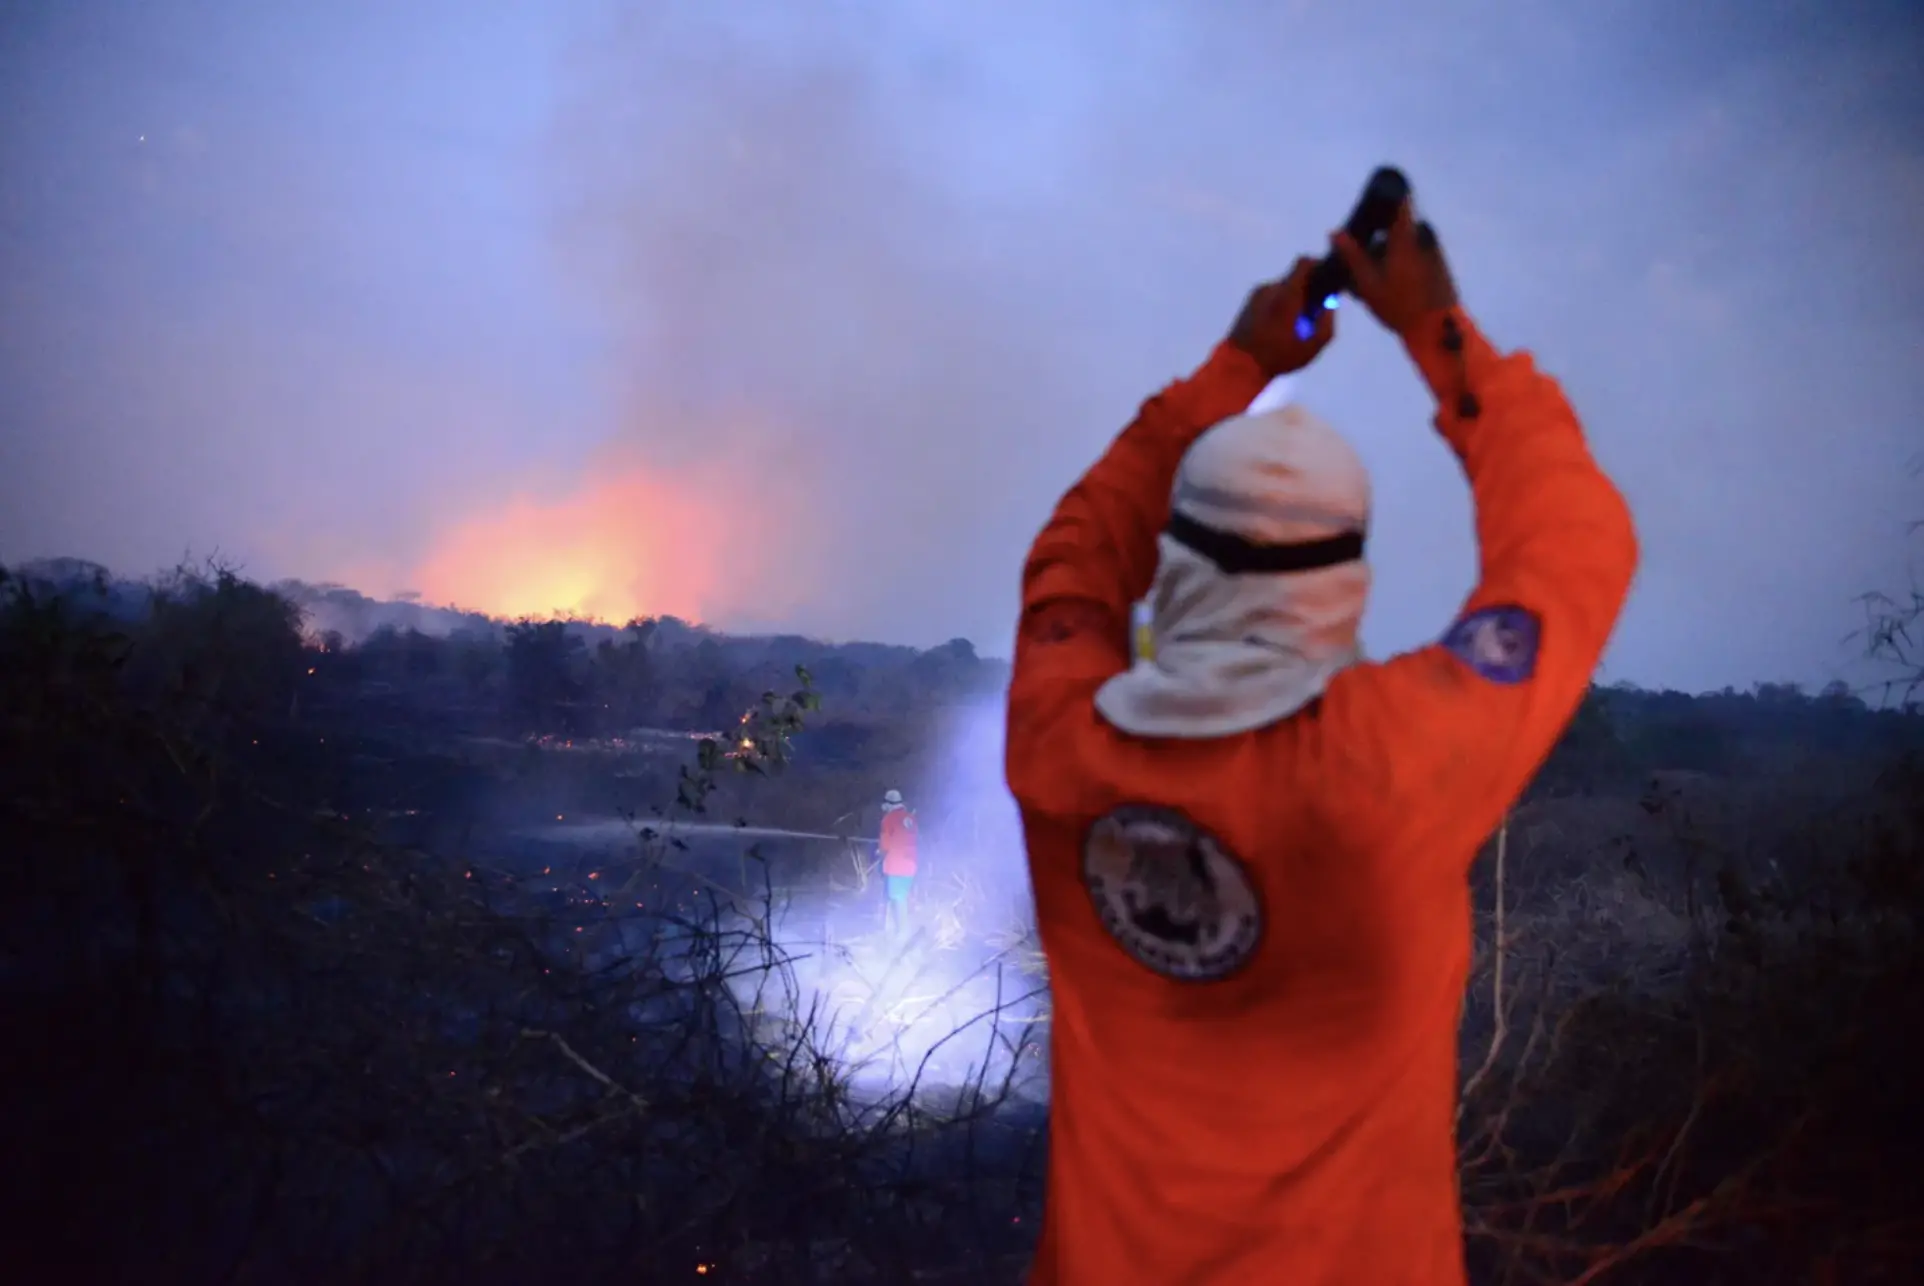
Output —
<point x="1368" y="225"/>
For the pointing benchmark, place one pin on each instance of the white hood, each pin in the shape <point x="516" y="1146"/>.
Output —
<point x="1232" y="652"/>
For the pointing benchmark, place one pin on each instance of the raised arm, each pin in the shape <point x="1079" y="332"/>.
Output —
<point x="1459" y="728"/>
<point x="1097" y="555"/>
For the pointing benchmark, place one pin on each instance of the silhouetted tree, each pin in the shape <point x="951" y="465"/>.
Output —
<point x="220" y="645"/>
<point x="1892" y="637"/>
<point x="625" y="678"/>
<point x="703" y="691"/>
<point x="544" y="685"/>
<point x="476" y="658"/>
<point x="1591" y="753"/>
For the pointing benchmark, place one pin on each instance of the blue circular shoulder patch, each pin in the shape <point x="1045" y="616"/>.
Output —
<point x="1499" y="643"/>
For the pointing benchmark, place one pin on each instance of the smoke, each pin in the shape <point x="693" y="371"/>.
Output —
<point x="970" y="997"/>
<point x="336" y="610"/>
<point x="973" y="819"/>
<point x="851" y="278"/>
<point x="965" y="997"/>
<point x="772" y="223"/>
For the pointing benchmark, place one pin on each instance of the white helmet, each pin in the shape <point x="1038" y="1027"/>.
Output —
<point x="893" y="799"/>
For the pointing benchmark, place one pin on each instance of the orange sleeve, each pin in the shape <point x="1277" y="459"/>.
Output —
<point x="1097" y="554"/>
<point x="1446" y="738"/>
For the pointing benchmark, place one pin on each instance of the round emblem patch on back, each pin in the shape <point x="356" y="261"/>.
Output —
<point x="1171" y="894"/>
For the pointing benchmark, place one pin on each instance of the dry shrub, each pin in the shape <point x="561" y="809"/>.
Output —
<point x="274" y="1043"/>
<point x="262" y="1037"/>
<point x="1725" y="1107"/>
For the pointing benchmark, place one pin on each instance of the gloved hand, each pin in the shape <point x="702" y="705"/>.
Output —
<point x="1266" y="327"/>
<point x="1411" y="282"/>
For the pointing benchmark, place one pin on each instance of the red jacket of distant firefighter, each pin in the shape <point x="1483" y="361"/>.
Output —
<point x="898" y="842"/>
<point x="1291" y="1120"/>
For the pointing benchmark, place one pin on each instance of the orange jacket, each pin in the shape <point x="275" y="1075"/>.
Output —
<point x="1292" y="1121"/>
<point x="898" y="842"/>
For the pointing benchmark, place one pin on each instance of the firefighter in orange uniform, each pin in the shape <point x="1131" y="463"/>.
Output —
<point x="898" y="843"/>
<point x="1250" y="846"/>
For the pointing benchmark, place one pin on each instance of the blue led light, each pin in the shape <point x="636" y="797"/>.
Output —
<point x="1306" y="326"/>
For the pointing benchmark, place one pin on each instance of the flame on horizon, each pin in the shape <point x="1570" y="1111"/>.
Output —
<point x="631" y="543"/>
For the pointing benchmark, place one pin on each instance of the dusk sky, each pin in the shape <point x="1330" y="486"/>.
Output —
<point x="802" y="314"/>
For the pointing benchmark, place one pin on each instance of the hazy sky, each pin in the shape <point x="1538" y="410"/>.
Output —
<point x="805" y="313"/>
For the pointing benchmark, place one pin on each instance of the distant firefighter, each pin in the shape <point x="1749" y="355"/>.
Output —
<point x="898" y="845"/>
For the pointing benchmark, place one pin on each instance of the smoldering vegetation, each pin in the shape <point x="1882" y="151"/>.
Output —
<point x="312" y="981"/>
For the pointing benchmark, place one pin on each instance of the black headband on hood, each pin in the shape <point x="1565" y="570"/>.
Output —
<point x="1234" y="555"/>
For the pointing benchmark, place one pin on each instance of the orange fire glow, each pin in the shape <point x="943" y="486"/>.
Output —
<point x="626" y="543"/>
